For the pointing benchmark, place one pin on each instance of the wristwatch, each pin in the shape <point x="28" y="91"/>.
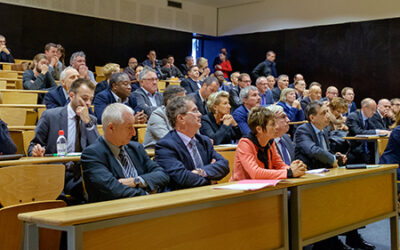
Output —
<point x="137" y="181"/>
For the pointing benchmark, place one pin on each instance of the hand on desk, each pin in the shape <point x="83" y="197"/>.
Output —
<point x="340" y="159"/>
<point x="38" y="151"/>
<point x="298" y="168"/>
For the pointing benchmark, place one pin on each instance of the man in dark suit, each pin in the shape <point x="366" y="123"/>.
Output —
<point x="382" y="119"/>
<point x="115" y="167"/>
<point x="188" y="158"/>
<point x="265" y="91"/>
<point x="251" y="99"/>
<point x="312" y="144"/>
<point x="283" y="83"/>
<point x="185" y="66"/>
<point x="359" y="124"/>
<point x="235" y="101"/>
<point x="120" y="91"/>
<point x="7" y="146"/>
<point x="59" y="97"/>
<point x="312" y="147"/>
<point x="267" y="67"/>
<point x="147" y="96"/>
<point x="283" y="142"/>
<point x="210" y="85"/>
<point x="192" y="83"/>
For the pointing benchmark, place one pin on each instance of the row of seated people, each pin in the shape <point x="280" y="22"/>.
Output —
<point x="204" y="166"/>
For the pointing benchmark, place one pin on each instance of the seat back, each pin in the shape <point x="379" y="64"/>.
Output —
<point x="27" y="183"/>
<point x="13" y="116"/>
<point x="141" y="132"/>
<point x="7" y="74"/>
<point x="27" y="136"/>
<point x="19" y="97"/>
<point x="11" y="228"/>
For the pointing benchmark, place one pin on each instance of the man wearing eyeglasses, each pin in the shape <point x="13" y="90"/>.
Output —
<point x="147" y="96"/>
<point x="283" y="83"/>
<point x="235" y="101"/>
<point x="118" y="91"/>
<point x="188" y="157"/>
<point x="5" y="53"/>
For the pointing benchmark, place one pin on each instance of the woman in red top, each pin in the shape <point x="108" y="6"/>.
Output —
<point x="256" y="155"/>
<point x="224" y="66"/>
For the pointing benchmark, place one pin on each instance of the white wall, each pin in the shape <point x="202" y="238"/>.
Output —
<point x="269" y="15"/>
<point x="191" y="18"/>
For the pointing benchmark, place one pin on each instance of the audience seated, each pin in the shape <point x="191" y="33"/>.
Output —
<point x="61" y="56"/>
<point x="359" y="124"/>
<point x="78" y="62"/>
<point x="314" y="94"/>
<point x="153" y="63"/>
<point x="300" y="87"/>
<point x="296" y="78"/>
<point x="331" y="92"/>
<point x="189" y="62"/>
<point x="158" y="125"/>
<point x="165" y="69"/>
<point x="38" y="76"/>
<point x="217" y="59"/>
<point x="119" y="91"/>
<point x="391" y="155"/>
<point x="192" y="83"/>
<point x="130" y="70"/>
<point x="115" y="167"/>
<point x="267" y="67"/>
<point x="291" y="106"/>
<point x="188" y="157"/>
<point x="235" y="78"/>
<point x="59" y="96"/>
<point x="348" y="96"/>
<point x="244" y="81"/>
<point x="256" y="156"/>
<point x="108" y="70"/>
<point x="395" y="102"/>
<point x="55" y="66"/>
<point x="147" y="96"/>
<point x="204" y="70"/>
<point x="175" y="72"/>
<point x="283" y="142"/>
<point x="382" y="119"/>
<point x="251" y="99"/>
<point x="283" y="83"/>
<point x="5" y="53"/>
<point x="7" y="146"/>
<point x="224" y="65"/>
<point x="271" y="82"/>
<point x="265" y="91"/>
<point x="218" y="124"/>
<point x="336" y="108"/>
<point x="222" y="82"/>
<point x="209" y="86"/>
<point x="135" y="83"/>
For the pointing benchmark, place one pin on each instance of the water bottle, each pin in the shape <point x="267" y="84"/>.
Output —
<point x="61" y="144"/>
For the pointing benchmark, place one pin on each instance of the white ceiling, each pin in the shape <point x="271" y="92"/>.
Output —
<point x="219" y="3"/>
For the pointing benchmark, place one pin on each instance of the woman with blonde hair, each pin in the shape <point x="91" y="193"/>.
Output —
<point x="291" y="106"/>
<point x="108" y="70"/>
<point x="204" y="70"/>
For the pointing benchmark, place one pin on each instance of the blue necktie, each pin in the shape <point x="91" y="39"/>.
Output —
<point x="284" y="152"/>
<point x="196" y="156"/>
<point x="366" y="127"/>
<point x="322" y="141"/>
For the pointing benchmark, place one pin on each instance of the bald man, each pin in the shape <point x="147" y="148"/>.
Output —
<point x="331" y="92"/>
<point x="382" y="119"/>
<point x="314" y="94"/>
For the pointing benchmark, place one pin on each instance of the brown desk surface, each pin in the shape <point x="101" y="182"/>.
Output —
<point x="372" y="137"/>
<point x="22" y="105"/>
<point x="131" y="206"/>
<point x="296" y="123"/>
<point x="13" y="128"/>
<point x="22" y="90"/>
<point x="333" y="174"/>
<point x="217" y="148"/>
<point x="38" y="160"/>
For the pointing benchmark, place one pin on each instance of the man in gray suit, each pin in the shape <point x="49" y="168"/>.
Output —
<point x="283" y="142"/>
<point x="158" y="125"/>
<point x="147" y="96"/>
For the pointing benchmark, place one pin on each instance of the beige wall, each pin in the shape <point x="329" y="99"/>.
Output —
<point x="269" y="15"/>
<point x="191" y="18"/>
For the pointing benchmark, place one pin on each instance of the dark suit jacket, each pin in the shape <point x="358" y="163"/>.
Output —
<point x="289" y="146"/>
<point x="7" y="146"/>
<point x="55" y="98"/>
<point x="6" y="58"/>
<point x="184" y="69"/>
<point x="190" y="85"/>
<point x="144" y="103"/>
<point x="100" y="87"/>
<point x="234" y="98"/>
<point x="353" y="108"/>
<point x="101" y="171"/>
<point x="104" y="98"/>
<point x="53" y="120"/>
<point x="268" y="98"/>
<point x="199" y="103"/>
<point x="221" y="134"/>
<point x="309" y="150"/>
<point x="377" y="122"/>
<point x="276" y="93"/>
<point x="304" y="103"/>
<point x="240" y="116"/>
<point x="265" y="68"/>
<point x="392" y="151"/>
<point x="172" y="154"/>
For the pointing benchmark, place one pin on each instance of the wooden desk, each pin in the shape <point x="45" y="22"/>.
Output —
<point x="194" y="218"/>
<point x="38" y="160"/>
<point x="378" y="143"/>
<point x="342" y="200"/>
<point x="298" y="123"/>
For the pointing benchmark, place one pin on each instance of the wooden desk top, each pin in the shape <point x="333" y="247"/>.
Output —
<point x="296" y="123"/>
<point x="333" y="174"/>
<point x="13" y="128"/>
<point x="22" y="105"/>
<point x="218" y="148"/>
<point x="131" y="206"/>
<point x="372" y="137"/>
<point x="38" y="160"/>
<point x="23" y="90"/>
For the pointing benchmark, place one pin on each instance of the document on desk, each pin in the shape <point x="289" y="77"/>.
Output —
<point x="317" y="171"/>
<point x="249" y="185"/>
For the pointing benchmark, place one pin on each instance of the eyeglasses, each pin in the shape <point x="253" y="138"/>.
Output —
<point x="151" y="79"/>
<point x="194" y="112"/>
